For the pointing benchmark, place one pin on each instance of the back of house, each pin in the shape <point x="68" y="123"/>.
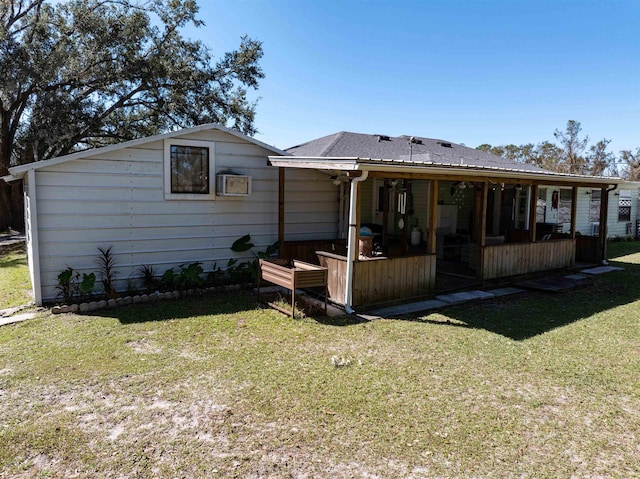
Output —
<point x="155" y="201"/>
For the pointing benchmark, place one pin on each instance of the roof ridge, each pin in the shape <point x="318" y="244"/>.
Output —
<point x="338" y="137"/>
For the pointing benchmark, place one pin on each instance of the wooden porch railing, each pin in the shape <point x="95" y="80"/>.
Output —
<point x="500" y="261"/>
<point x="306" y="250"/>
<point x="377" y="280"/>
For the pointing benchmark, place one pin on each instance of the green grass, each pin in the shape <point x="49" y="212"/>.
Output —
<point x="15" y="285"/>
<point x="543" y="385"/>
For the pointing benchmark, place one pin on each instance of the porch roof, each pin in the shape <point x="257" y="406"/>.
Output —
<point x="346" y="151"/>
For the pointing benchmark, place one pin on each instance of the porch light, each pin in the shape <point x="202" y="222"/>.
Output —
<point x="462" y="185"/>
<point x="518" y="187"/>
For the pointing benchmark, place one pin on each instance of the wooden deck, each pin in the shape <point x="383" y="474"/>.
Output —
<point x="377" y="280"/>
<point x="499" y="261"/>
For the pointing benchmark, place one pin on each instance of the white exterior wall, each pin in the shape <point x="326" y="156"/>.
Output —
<point x="117" y="199"/>
<point x="583" y="224"/>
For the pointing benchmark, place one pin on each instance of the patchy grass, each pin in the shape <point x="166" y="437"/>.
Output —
<point x="15" y="285"/>
<point x="537" y="386"/>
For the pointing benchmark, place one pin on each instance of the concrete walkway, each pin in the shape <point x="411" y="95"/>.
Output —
<point x="550" y="284"/>
<point x="16" y="318"/>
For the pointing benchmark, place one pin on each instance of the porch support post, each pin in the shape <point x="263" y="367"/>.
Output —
<point x="281" y="205"/>
<point x="604" y="210"/>
<point x="481" y="225"/>
<point x="433" y="217"/>
<point x="574" y="206"/>
<point x="385" y="213"/>
<point x="352" y="242"/>
<point x="532" y="213"/>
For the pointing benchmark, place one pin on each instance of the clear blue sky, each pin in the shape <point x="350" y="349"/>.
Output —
<point x="470" y="72"/>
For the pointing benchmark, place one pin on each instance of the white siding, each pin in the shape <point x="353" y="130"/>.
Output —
<point x="117" y="199"/>
<point x="614" y="227"/>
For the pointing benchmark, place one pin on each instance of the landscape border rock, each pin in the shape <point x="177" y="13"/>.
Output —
<point x="85" y="307"/>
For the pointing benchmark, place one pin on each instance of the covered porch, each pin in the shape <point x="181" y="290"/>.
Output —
<point x="402" y="229"/>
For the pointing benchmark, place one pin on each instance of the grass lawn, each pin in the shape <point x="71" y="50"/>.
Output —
<point x="15" y="285"/>
<point x="538" y="386"/>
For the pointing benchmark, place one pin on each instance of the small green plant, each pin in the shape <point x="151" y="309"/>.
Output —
<point x="237" y="272"/>
<point x="243" y="244"/>
<point x="189" y="276"/>
<point x="168" y="279"/>
<point x="132" y="286"/>
<point x="66" y="285"/>
<point x="215" y="277"/>
<point x="86" y="285"/>
<point x="149" y="280"/>
<point x="70" y="286"/>
<point x="106" y="262"/>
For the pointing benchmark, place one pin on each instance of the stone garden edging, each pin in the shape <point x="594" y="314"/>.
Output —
<point x="136" y="299"/>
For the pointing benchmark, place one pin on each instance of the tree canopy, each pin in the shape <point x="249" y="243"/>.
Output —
<point x="84" y="73"/>
<point x="572" y="155"/>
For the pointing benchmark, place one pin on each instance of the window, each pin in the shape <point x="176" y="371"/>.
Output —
<point x="188" y="169"/>
<point x="624" y="206"/>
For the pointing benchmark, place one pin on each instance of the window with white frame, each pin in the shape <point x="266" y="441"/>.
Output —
<point x="624" y="206"/>
<point x="189" y="168"/>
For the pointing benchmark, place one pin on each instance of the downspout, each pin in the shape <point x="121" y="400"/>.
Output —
<point x="351" y="244"/>
<point x="604" y="228"/>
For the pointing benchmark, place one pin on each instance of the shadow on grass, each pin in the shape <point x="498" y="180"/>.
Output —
<point x="517" y="317"/>
<point x="163" y="310"/>
<point x="530" y="314"/>
<point x="205" y="305"/>
<point x="13" y="263"/>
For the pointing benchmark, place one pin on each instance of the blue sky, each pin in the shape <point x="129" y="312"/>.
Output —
<point x="471" y="72"/>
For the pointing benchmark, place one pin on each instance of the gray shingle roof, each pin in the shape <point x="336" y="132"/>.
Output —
<point x="425" y="151"/>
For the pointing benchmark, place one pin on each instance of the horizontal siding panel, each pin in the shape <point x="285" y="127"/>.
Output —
<point x="102" y="180"/>
<point x="137" y="160"/>
<point x="122" y="221"/>
<point x="213" y="135"/>
<point x="82" y="192"/>
<point x="247" y="219"/>
<point x="79" y="208"/>
<point x="109" y="234"/>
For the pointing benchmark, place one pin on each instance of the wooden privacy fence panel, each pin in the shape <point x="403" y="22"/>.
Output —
<point x="505" y="260"/>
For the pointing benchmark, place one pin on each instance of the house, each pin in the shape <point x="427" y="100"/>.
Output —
<point x="434" y="207"/>
<point x="388" y="216"/>
<point x="157" y="202"/>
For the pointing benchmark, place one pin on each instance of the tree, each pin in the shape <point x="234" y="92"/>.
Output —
<point x="572" y="161"/>
<point x="547" y="156"/>
<point x="631" y="164"/>
<point x="600" y="160"/>
<point x="567" y="158"/>
<point x="85" y="73"/>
